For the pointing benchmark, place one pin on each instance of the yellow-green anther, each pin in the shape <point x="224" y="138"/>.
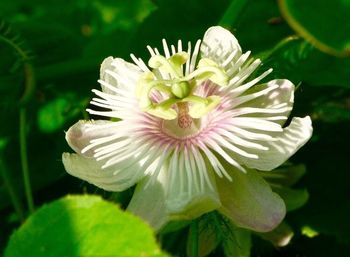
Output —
<point x="168" y="103"/>
<point x="195" y="99"/>
<point x="178" y="88"/>
<point x="162" y="88"/>
<point x="144" y="86"/>
<point x="161" y="63"/>
<point x="198" y="110"/>
<point x="177" y="60"/>
<point x="144" y="79"/>
<point x="161" y="112"/>
<point x="208" y="69"/>
<point x="181" y="89"/>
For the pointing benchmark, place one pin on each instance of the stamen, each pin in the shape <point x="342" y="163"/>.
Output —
<point x="202" y="168"/>
<point x="229" y="58"/>
<point x="150" y="50"/>
<point x="179" y="46"/>
<point x="239" y="63"/>
<point x="139" y="63"/>
<point x="166" y="49"/>
<point x="194" y="56"/>
<point x="187" y="71"/>
<point x="173" y="50"/>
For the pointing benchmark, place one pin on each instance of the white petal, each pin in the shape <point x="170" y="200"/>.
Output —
<point x="284" y="145"/>
<point x="80" y="135"/>
<point x="119" y="74"/>
<point x="185" y="199"/>
<point x="110" y="179"/>
<point x="281" y="98"/>
<point x="221" y="46"/>
<point x="249" y="201"/>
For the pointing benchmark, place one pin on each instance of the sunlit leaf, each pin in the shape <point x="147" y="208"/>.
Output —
<point x="82" y="226"/>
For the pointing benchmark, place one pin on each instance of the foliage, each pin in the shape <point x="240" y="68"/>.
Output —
<point x="82" y="226"/>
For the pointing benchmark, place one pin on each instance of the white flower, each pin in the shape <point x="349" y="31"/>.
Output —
<point x="189" y="129"/>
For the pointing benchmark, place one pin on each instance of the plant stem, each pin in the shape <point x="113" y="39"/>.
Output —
<point x="232" y="12"/>
<point x="194" y="238"/>
<point x="266" y="55"/>
<point x="24" y="159"/>
<point x="12" y="193"/>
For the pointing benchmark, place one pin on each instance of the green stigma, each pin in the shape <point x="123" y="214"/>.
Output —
<point x="167" y="77"/>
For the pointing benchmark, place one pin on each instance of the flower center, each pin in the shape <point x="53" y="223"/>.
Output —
<point x="168" y="91"/>
<point x="183" y="126"/>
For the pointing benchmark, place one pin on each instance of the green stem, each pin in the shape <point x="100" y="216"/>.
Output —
<point x="10" y="189"/>
<point x="230" y="16"/>
<point x="29" y="88"/>
<point x="266" y="55"/>
<point x="194" y="238"/>
<point x="24" y="159"/>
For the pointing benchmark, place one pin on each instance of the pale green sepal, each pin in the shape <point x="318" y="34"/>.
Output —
<point x="249" y="201"/>
<point x="191" y="207"/>
<point x="280" y="236"/>
<point x="198" y="110"/>
<point x="193" y="201"/>
<point x="148" y="202"/>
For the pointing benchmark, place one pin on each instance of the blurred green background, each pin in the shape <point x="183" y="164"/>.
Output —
<point x="50" y="52"/>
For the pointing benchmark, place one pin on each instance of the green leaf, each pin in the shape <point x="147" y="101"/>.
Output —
<point x="299" y="61"/>
<point x="53" y="115"/>
<point x="286" y="175"/>
<point x="82" y="226"/>
<point x="322" y="22"/>
<point x="209" y="235"/>
<point x="218" y="234"/>
<point x="237" y="243"/>
<point x="260" y="26"/>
